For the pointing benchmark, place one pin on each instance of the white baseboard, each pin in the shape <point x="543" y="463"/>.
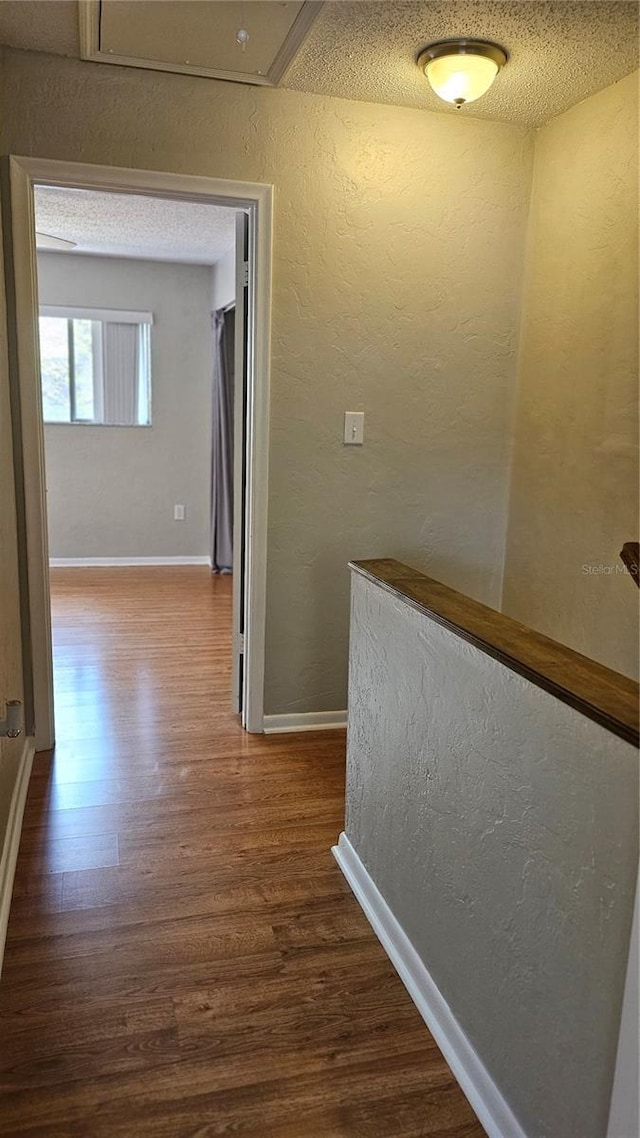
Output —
<point x="624" y="1109"/>
<point x="484" y="1096"/>
<point x="78" y="562"/>
<point x="9" y="853"/>
<point x="305" y="721"/>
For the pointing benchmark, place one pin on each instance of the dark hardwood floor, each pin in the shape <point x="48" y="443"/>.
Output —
<point x="183" y="956"/>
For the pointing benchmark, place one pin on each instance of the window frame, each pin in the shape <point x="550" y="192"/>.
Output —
<point x="98" y="317"/>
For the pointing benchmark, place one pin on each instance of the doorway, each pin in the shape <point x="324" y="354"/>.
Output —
<point x="253" y="205"/>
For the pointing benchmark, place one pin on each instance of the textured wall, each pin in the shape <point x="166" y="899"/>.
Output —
<point x="501" y="827"/>
<point x="397" y="272"/>
<point x="574" y="494"/>
<point x="111" y="490"/>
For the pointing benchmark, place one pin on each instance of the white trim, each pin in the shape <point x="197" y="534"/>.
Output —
<point x="239" y="430"/>
<point x="89" y="18"/>
<point x="105" y="315"/>
<point x="624" y="1111"/>
<point x="77" y="562"/>
<point x="9" y="853"/>
<point x="258" y="403"/>
<point x="305" y="721"/>
<point x="484" y="1096"/>
<point x="22" y="304"/>
<point x="257" y="200"/>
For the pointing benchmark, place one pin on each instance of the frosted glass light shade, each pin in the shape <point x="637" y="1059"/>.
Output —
<point x="461" y="77"/>
<point x="460" y="72"/>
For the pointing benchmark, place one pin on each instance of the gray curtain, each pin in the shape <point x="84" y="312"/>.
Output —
<point x="222" y="450"/>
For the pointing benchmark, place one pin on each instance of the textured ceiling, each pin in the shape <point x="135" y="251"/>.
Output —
<point x="560" y="52"/>
<point x="130" y="225"/>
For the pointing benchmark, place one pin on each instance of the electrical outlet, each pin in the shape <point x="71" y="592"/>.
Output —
<point x="179" y="513"/>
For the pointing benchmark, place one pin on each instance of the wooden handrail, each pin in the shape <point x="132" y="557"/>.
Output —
<point x="601" y="694"/>
<point x="630" y="554"/>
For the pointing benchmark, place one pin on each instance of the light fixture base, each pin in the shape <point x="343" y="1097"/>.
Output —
<point x="463" y="47"/>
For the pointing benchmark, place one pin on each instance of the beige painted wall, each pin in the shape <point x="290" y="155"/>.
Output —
<point x="397" y="278"/>
<point x="111" y="490"/>
<point x="574" y="497"/>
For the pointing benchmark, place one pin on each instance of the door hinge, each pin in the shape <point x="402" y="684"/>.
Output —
<point x="245" y="275"/>
<point x="241" y="643"/>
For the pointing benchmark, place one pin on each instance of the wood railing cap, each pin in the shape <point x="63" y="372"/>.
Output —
<point x="605" y="696"/>
<point x="630" y="554"/>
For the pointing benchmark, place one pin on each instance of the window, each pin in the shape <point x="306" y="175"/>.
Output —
<point x="95" y="366"/>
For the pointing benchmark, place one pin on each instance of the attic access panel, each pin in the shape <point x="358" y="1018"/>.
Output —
<point x="197" y="37"/>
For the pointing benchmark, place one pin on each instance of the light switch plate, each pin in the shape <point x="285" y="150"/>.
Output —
<point x="179" y="513"/>
<point x="354" y="428"/>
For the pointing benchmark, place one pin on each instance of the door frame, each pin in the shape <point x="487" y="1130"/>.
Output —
<point x="21" y="274"/>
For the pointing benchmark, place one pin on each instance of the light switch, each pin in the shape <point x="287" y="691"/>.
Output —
<point x="178" y="513"/>
<point x="354" y="428"/>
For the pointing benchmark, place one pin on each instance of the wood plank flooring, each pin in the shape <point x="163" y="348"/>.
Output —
<point x="183" y="956"/>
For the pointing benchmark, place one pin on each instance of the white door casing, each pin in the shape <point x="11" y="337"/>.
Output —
<point x="24" y="363"/>
<point x="16" y="753"/>
<point x="240" y="434"/>
<point x="256" y="200"/>
<point x="11" y="680"/>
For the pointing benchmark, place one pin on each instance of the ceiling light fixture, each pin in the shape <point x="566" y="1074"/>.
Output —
<point x="460" y="71"/>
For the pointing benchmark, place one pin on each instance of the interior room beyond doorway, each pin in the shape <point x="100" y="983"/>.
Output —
<point x="136" y="297"/>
